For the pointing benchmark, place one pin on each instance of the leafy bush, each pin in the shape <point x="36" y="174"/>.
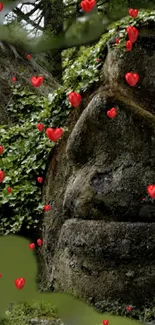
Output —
<point x="25" y="156"/>
<point x="22" y="313"/>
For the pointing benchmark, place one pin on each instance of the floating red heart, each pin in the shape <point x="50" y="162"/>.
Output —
<point x="1" y="6"/>
<point x="14" y="79"/>
<point x="37" y="81"/>
<point x="19" y="283"/>
<point x="112" y="112"/>
<point x="128" y="308"/>
<point x="40" y="127"/>
<point x="117" y="41"/>
<point x="132" y="33"/>
<point x="132" y="78"/>
<point x="2" y="175"/>
<point x="9" y="189"/>
<point x="129" y="45"/>
<point x="32" y="246"/>
<point x="54" y="134"/>
<point x="105" y="322"/>
<point x="151" y="190"/>
<point x="133" y="12"/>
<point x="47" y="207"/>
<point x="28" y="56"/>
<point x="0" y="275"/>
<point x="74" y="99"/>
<point x="40" y="180"/>
<point x="39" y="242"/>
<point x="1" y="150"/>
<point x="88" y="5"/>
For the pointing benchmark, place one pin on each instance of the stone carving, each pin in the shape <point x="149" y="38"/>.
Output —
<point x="100" y="240"/>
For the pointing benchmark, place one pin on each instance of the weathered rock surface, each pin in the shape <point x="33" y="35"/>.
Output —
<point x="99" y="241"/>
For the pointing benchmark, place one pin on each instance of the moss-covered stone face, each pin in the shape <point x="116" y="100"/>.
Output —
<point x="99" y="240"/>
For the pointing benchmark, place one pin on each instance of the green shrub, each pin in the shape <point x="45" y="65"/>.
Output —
<point x="22" y="313"/>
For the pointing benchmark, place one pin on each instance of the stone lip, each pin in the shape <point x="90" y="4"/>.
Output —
<point x="106" y="260"/>
<point x="119" y="241"/>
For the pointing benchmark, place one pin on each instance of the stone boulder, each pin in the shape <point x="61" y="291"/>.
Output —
<point x="99" y="238"/>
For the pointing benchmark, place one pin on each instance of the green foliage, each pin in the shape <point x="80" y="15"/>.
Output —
<point x="144" y="314"/>
<point x="25" y="157"/>
<point x="22" y="313"/>
<point x="83" y="72"/>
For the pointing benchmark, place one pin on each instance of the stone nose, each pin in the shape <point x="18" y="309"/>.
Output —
<point x="78" y="197"/>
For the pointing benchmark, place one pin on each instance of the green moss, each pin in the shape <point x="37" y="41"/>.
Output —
<point x="22" y="313"/>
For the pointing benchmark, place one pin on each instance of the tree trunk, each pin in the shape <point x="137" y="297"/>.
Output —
<point x="53" y="21"/>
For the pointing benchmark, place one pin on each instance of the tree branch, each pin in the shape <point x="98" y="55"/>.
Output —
<point x="23" y="16"/>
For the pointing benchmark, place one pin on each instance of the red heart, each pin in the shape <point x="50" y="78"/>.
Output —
<point x="117" y="40"/>
<point x="47" y="207"/>
<point x="40" y="180"/>
<point x="2" y="175"/>
<point x="0" y="275"/>
<point x="9" y="189"/>
<point x="132" y="78"/>
<point x="40" y="126"/>
<point x="128" y="308"/>
<point x="151" y="190"/>
<point x="112" y="112"/>
<point x="105" y="322"/>
<point x="14" y="79"/>
<point x="74" y="99"/>
<point x="132" y="33"/>
<point x="32" y="246"/>
<point x="1" y="150"/>
<point x="129" y="45"/>
<point x="37" y="81"/>
<point x="88" y="5"/>
<point x="39" y="242"/>
<point x="19" y="283"/>
<point x="1" y="6"/>
<point x="133" y="12"/>
<point x="28" y="56"/>
<point x="54" y="134"/>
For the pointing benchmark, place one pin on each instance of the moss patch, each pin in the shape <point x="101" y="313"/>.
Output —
<point x="23" y="313"/>
<point x="145" y="314"/>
